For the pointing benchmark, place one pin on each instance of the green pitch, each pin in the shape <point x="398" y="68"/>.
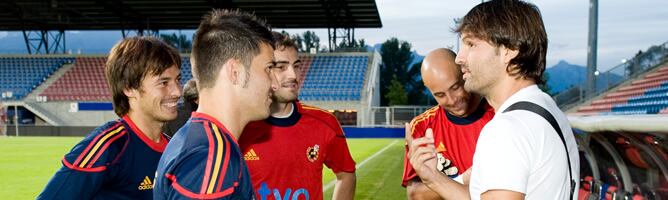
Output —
<point x="380" y="176"/>
<point x="27" y="164"/>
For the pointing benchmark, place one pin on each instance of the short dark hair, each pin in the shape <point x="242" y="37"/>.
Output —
<point x="516" y="25"/>
<point x="190" y="93"/>
<point x="282" y="41"/>
<point x="223" y="35"/>
<point x="132" y="59"/>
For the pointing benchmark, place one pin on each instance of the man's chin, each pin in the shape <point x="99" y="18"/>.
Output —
<point x="167" y="119"/>
<point x="459" y="114"/>
<point x="284" y="99"/>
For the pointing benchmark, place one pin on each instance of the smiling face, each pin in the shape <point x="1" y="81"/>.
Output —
<point x="287" y="70"/>
<point x="157" y="96"/>
<point x="443" y="78"/>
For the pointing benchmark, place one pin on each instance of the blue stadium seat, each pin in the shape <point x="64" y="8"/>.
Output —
<point x="20" y="75"/>
<point x="334" y="78"/>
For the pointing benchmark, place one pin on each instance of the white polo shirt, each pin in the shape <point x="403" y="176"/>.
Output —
<point x="521" y="152"/>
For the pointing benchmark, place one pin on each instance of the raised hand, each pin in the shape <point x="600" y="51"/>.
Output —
<point x="422" y="155"/>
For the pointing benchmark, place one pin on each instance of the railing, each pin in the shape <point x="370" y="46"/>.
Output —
<point x="395" y="116"/>
<point x="605" y="81"/>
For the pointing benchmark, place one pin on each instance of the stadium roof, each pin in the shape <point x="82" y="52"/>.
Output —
<point x="180" y="14"/>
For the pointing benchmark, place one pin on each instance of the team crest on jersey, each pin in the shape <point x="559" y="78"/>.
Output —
<point x="312" y="153"/>
<point x="445" y="166"/>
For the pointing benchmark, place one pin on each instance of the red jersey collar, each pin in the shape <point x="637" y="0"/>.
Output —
<point x="159" y="147"/>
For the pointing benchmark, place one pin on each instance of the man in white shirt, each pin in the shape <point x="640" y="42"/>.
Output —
<point x="519" y="154"/>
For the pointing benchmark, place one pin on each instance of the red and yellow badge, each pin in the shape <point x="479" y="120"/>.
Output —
<point x="312" y="153"/>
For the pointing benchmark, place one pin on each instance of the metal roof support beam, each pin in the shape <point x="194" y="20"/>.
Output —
<point x="345" y="34"/>
<point x="339" y="19"/>
<point x="44" y="41"/>
<point x="140" y="32"/>
<point x="179" y="14"/>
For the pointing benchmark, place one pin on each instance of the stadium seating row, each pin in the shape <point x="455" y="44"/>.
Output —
<point x="334" y="78"/>
<point x="21" y="75"/>
<point x="84" y="82"/>
<point x="324" y="78"/>
<point x="648" y="95"/>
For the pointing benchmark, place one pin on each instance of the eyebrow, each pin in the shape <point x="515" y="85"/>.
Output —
<point x="166" y="78"/>
<point x="454" y="84"/>
<point x="470" y="38"/>
<point x="287" y="62"/>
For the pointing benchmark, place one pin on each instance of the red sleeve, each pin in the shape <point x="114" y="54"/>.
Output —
<point x="418" y="127"/>
<point x="338" y="154"/>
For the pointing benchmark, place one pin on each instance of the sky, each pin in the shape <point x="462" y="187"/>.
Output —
<point x="625" y="27"/>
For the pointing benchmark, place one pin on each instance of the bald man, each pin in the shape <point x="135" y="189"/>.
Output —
<point x="455" y="123"/>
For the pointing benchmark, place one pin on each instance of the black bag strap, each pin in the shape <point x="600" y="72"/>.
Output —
<point x="535" y="108"/>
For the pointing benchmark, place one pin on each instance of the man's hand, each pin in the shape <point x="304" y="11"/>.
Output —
<point x="422" y="155"/>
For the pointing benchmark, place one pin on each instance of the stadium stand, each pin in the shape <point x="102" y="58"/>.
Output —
<point x="86" y="81"/>
<point x="647" y="95"/>
<point x="20" y="75"/>
<point x="338" y="82"/>
<point x="324" y="78"/>
<point x="186" y="70"/>
<point x="334" y="78"/>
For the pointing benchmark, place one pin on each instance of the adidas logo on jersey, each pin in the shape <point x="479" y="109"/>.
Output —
<point x="147" y="184"/>
<point x="440" y="147"/>
<point x="250" y="155"/>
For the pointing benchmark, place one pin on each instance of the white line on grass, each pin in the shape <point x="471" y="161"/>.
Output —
<point x="359" y="165"/>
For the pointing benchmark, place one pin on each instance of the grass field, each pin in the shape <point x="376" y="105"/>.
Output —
<point x="27" y="164"/>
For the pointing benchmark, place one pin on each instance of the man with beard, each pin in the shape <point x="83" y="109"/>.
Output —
<point x="118" y="159"/>
<point x="286" y="152"/>
<point x="233" y="58"/>
<point x="528" y="150"/>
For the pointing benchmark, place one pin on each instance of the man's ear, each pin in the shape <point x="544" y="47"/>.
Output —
<point x="131" y="93"/>
<point x="509" y="54"/>
<point x="232" y="69"/>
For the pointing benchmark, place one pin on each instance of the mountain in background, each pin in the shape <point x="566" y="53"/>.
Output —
<point x="564" y="75"/>
<point x="83" y="42"/>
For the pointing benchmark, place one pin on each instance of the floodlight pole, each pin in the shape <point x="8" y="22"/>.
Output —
<point x="592" y="48"/>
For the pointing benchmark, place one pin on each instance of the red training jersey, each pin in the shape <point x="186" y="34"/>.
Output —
<point x="285" y="156"/>
<point x="454" y="138"/>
